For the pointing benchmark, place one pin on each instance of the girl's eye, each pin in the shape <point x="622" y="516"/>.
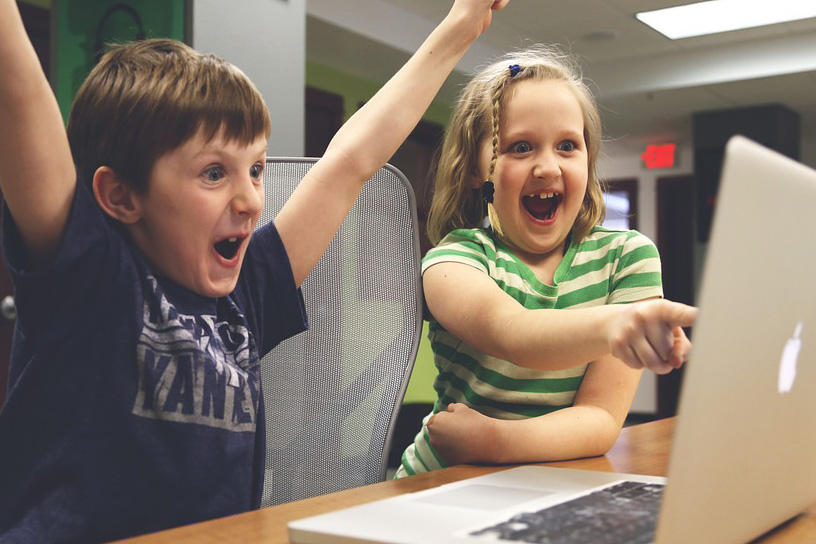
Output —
<point x="256" y="171"/>
<point x="214" y="174"/>
<point x="521" y="147"/>
<point x="567" y="146"/>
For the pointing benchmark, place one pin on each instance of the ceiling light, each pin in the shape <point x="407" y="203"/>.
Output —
<point x="724" y="15"/>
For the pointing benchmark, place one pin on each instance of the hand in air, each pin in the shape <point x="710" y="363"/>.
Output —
<point x="461" y="434"/>
<point x="481" y="8"/>
<point x="649" y="335"/>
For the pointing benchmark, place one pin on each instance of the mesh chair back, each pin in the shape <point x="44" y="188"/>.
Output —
<point x="332" y="393"/>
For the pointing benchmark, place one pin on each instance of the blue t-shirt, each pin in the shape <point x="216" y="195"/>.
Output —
<point x="134" y="404"/>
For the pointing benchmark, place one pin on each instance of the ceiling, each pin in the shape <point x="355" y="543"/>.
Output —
<point x="647" y="85"/>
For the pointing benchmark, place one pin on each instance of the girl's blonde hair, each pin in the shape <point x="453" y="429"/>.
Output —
<point x="455" y="203"/>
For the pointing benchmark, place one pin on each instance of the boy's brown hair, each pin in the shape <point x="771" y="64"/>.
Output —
<point x="146" y="98"/>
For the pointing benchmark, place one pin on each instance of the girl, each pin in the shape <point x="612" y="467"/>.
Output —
<point x="519" y="382"/>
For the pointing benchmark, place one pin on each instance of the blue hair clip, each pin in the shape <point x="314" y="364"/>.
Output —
<point x="515" y="69"/>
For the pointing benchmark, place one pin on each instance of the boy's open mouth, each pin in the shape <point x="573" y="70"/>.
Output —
<point x="229" y="247"/>
<point x="542" y="206"/>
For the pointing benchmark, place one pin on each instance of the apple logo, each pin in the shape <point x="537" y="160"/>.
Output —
<point x="787" y="365"/>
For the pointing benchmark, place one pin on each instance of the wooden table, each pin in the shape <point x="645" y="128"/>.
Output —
<point x="641" y="449"/>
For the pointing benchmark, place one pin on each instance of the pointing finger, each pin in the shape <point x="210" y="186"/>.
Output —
<point x="681" y="315"/>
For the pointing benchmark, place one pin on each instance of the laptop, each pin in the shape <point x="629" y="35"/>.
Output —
<point x="743" y="457"/>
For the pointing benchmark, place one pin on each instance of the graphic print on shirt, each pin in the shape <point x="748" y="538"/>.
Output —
<point x="196" y="369"/>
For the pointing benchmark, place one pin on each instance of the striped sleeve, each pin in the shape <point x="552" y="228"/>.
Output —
<point x="637" y="273"/>
<point x="468" y="247"/>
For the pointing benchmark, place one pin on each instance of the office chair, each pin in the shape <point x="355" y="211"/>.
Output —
<point x="332" y="393"/>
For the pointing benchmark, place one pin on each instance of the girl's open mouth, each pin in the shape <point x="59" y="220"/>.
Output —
<point x="542" y="206"/>
<point x="229" y="247"/>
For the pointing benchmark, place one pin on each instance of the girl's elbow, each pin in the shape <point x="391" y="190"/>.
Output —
<point x="606" y="440"/>
<point x="603" y="436"/>
<point x="603" y="446"/>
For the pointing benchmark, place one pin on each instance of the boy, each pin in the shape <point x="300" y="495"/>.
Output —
<point x="144" y="299"/>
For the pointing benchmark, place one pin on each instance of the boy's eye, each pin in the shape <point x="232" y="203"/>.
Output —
<point x="256" y="171"/>
<point x="213" y="174"/>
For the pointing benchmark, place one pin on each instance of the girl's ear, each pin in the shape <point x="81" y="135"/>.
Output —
<point x="115" y="197"/>
<point x="476" y="180"/>
<point x="476" y="164"/>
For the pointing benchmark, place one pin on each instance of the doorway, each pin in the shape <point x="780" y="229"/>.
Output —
<point x="675" y="241"/>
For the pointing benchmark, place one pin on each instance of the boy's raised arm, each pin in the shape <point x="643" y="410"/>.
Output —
<point x="36" y="168"/>
<point x="316" y="210"/>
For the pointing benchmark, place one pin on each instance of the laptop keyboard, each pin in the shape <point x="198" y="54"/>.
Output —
<point x="624" y="513"/>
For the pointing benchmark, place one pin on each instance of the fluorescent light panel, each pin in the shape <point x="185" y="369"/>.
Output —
<point x="725" y="15"/>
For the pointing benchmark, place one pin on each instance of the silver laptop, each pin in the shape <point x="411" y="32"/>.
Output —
<point x="743" y="456"/>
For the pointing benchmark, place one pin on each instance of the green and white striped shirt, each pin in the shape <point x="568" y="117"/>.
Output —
<point x="606" y="267"/>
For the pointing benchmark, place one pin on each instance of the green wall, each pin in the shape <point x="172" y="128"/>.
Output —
<point x="355" y="90"/>
<point x="77" y="22"/>
<point x="420" y="388"/>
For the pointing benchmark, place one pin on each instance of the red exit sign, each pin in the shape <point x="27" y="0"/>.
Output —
<point x="659" y="156"/>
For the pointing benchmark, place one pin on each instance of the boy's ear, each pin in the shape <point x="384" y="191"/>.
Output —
<point x="115" y="197"/>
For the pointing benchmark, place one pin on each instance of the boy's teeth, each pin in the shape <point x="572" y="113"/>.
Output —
<point x="233" y="239"/>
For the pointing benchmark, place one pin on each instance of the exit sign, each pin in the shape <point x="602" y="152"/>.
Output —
<point x="659" y="156"/>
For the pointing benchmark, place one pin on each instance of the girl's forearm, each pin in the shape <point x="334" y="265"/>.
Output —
<point x="556" y="339"/>
<point x="570" y="433"/>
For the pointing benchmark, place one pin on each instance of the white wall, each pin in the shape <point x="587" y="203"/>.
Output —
<point x="808" y="156"/>
<point x="618" y="161"/>
<point x="267" y="40"/>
